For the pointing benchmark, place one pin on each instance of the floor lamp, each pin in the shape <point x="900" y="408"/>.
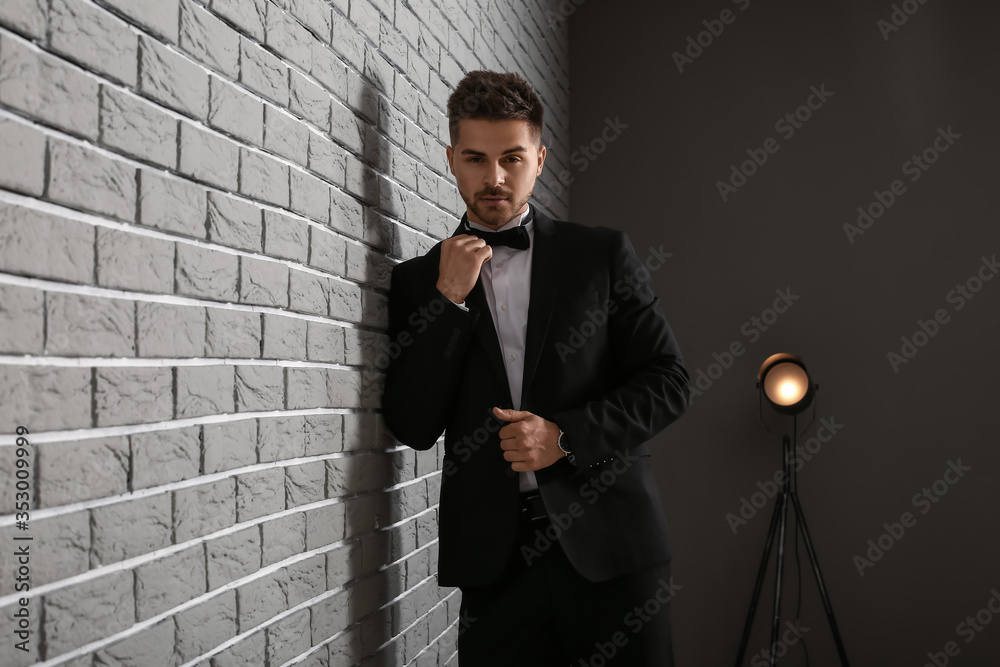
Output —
<point x="784" y="383"/>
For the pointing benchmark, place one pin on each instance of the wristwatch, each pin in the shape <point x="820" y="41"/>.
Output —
<point x="563" y="443"/>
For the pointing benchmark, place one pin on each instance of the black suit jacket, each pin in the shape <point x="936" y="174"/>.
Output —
<point x="600" y="361"/>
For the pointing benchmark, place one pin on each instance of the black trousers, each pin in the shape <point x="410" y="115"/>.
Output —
<point x="542" y="613"/>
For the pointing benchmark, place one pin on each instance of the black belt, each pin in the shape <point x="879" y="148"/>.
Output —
<point x="532" y="507"/>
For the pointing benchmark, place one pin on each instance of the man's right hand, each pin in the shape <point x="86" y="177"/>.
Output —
<point x="462" y="257"/>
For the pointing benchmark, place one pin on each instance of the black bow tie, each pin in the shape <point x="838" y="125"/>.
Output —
<point x="516" y="238"/>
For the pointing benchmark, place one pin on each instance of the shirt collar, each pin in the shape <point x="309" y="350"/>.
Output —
<point x="516" y="221"/>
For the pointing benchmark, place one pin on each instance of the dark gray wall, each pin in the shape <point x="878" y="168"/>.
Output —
<point x="784" y="229"/>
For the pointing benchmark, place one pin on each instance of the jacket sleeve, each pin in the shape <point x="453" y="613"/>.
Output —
<point x="652" y="384"/>
<point x="428" y="338"/>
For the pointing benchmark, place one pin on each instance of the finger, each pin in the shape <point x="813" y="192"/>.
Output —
<point x="515" y="456"/>
<point x="510" y="444"/>
<point x="511" y="415"/>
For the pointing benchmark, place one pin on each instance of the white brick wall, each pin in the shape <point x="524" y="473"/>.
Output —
<point x="200" y="203"/>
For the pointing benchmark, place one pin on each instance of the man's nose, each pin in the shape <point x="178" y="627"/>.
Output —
<point x="494" y="176"/>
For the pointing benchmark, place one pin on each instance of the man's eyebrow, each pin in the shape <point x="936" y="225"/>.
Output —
<point x="515" y="149"/>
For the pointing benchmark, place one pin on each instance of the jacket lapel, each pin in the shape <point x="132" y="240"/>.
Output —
<point x="544" y="279"/>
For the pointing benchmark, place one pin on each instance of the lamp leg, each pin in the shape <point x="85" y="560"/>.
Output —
<point x="779" y="573"/>
<point x="801" y="519"/>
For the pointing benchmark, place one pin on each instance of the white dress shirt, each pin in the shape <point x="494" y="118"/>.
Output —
<point x="507" y="283"/>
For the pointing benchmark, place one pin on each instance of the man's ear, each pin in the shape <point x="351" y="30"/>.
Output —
<point x="449" y="152"/>
<point x="541" y="159"/>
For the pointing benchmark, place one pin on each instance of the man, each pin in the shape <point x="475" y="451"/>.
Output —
<point x="538" y="348"/>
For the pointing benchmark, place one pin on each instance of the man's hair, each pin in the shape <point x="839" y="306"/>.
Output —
<point x="494" y="96"/>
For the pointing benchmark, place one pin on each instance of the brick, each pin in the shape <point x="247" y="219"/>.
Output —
<point x="346" y="127"/>
<point x="306" y="388"/>
<point x="260" y="493"/>
<point x="325" y="342"/>
<point x="375" y="309"/>
<point x="233" y="333"/>
<point x="44" y="87"/>
<point x="285" y="236"/>
<point x="345" y="301"/>
<point x="80" y="325"/>
<point x="310" y="196"/>
<point x="133" y="395"/>
<point x="85" y="179"/>
<point x="25" y="16"/>
<point x="328" y="69"/>
<point x="366" y="348"/>
<point x="71" y="472"/>
<point x="305" y="483"/>
<point x="137" y="128"/>
<point x="230" y="445"/>
<point x="129" y="528"/>
<point x="131" y="261"/>
<point x="163" y="457"/>
<point x="171" y="79"/>
<point x="314" y="14"/>
<point x="208" y="156"/>
<point x="209" y="40"/>
<point x="288" y="637"/>
<point x="205" y="272"/>
<point x="326" y="158"/>
<point x="168" y="330"/>
<point x="247" y="14"/>
<point x="347" y="649"/>
<point x="260" y="599"/>
<point x="288" y="38"/>
<point x="233" y="557"/>
<point x="94" y="37"/>
<point x="308" y="100"/>
<point x="236" y="111"/>
<point x="366" y="266"/>
<point x="248" y="651"/>
<point x="260" y="388"/>
<point x="283" y="537"/>
<point x="67" y="543"/>
<point x="285" y="135"/>
<point x="263" y="73"/>
<point x="284" y="337"/>
<point x="235" y="223"/>
<point x="169" y="581"/>
<point x="264" y="178"/>
<point x="204" y="390"/>
<point x="27" y="173"/>
<point x="324" y="434"/>
<point x="209" y="624"/>
<point x="172" y="204"/>
<point x="152" y="646"/>
<point x="346" y="214"/>
<point x="324" y="525"/>
<point x="47" y="399"/>
<point x="263" y="283"/>
<point x="22" y="320"/>
<point x="88" y="611"/>
<point x="204" y="509"/>
<point x="308" y="293"/>
<point x="327" y="251"/>
<point x="282" y="438"/>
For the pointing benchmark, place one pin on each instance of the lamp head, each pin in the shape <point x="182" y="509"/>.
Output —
<point x="785" y="383"/>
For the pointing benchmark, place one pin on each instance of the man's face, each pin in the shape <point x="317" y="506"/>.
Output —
<point x="495" y="164"/>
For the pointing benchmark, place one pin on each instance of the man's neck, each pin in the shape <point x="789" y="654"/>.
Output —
<point x="486" y="227"/>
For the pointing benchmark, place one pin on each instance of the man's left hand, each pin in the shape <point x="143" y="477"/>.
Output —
<point x="528" y="441"/>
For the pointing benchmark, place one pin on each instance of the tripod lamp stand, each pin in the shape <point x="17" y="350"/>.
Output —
<point x="786" y="386"/>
